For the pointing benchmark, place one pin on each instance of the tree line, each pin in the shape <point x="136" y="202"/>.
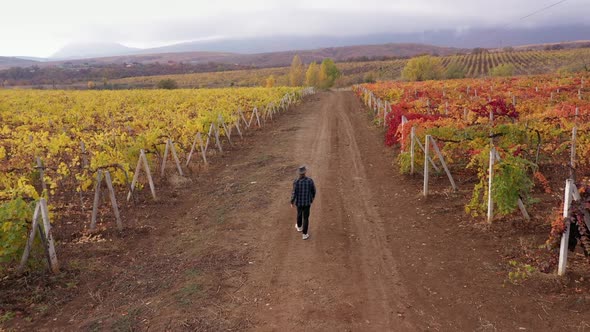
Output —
<point x="321" y="75"/>
<point x="51" y="75"/>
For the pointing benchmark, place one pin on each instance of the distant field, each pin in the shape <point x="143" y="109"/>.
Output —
<point x="246" y="78"/>
<point x="475" y="65"/>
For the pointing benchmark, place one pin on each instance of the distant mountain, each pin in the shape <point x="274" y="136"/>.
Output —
<point x="31" y="58"/>
<point x="92" y="50"/>
<point x="274" y="59"/>
<point x="274" y="44"/>
<point x="7" y="62"/>
<point x="470" y="38"/>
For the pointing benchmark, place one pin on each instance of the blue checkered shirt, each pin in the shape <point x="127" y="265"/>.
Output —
<point x="303" y="192"/>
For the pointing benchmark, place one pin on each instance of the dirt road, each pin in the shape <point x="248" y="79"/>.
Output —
<point x="222" y="252"/>
<point x="342" y="278"/>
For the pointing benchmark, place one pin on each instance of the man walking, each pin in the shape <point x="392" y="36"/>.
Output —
<point x="302" y="197"/>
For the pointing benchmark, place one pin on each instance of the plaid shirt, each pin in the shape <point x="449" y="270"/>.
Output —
<point x="303" y="192"/>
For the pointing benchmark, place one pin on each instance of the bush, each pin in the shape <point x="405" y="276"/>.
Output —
<point x="167" y="84"/>
<point x="423" y="68"/>
<point x="505" y="69"/>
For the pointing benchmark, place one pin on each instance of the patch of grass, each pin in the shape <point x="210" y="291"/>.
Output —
<point x="220" y="214"/>
<point x="519" y="272"/>
<point x="192" y="273"/>
<point x="6" y="317"/>
<point x="42" y="308"/>
<point x="72" y="284"/>
<point x="263" y="158"/>
<point x="127" y="322"/>
<point x="94" y="326"/>
<point x="188" y="292"/>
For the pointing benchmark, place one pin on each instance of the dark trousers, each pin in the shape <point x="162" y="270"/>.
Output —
<point x="303" y="217"/>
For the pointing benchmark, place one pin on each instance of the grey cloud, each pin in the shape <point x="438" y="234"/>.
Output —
<point x="459" y="15"/>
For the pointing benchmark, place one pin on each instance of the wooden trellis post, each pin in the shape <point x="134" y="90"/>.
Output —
<point x="46" y="237"/>
<point x="424" y="151"/>
<point x="198" y="139"/>
<point x="170" y="148"/>
<point x="430" y="140"/>
<point x="225" y="129"/>
<point x="237" y="125"/>
<point x="571" y="194"/>
<point x="255" y="113"/>
<point x="567" y="200"/>
<point x="107" y="178"/>
<point x="444" y="164"/>
<point x="241" y="115"/>
<point x="146" y="167"/>
<point x="217" y="139"/>
<point x="426" y="166"/>
<point x="213" y="130"/>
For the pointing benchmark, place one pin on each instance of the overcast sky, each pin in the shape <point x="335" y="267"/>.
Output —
<point x="41" y="27"/>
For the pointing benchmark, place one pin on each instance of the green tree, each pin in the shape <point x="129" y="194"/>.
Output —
<point x="505" y="69"/>
<point x="328" y="74"/>
<point x="312" y="76"/>
<point x="454" y="70"/>
<point x="296" y="73"/>
<point x="270" y="81"/>
<point x="423" y="68"/>
<point x="168" y="84"/>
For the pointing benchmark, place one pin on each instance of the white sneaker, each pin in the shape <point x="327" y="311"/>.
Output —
<point x="299" y="229"/>
<point x="305" y="236"/>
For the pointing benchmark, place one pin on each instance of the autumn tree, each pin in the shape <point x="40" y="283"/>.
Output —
<point x="423" y="68"/>
<point x="312" y="76"/>
<point x="296" y="73"/>
<point x="328" y="74"/>
<point x="270" y="81"/>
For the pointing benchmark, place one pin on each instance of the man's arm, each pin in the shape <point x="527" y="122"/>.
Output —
<point x="312" y="189"/>
<point x="293" y="192"/>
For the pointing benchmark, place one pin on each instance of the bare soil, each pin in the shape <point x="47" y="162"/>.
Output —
<point x="221" y="252"/>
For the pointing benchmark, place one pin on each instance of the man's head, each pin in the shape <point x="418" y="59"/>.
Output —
<point x="302" y="170"/>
